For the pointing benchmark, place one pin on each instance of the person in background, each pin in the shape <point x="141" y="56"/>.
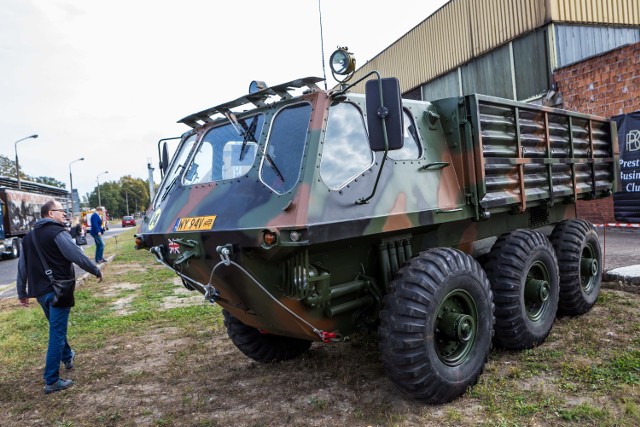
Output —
<point x="76" y="230"/>
<point x="96" y="232"/>
<point x="59" y="252"/>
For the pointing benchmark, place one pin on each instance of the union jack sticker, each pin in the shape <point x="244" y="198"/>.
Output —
<point x="174" y="248"/>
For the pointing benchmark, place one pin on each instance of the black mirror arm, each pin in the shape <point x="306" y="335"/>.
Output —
<point x="344" y="89"/>
<point x="383" y="113"/>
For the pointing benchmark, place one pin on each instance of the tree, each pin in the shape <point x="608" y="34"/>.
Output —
<point x="109" y="197"/>
<point x="127" y="196"/>
<point x="49" y="181"/>
<point x="8" y="168"/>
<point x="135" y="193"/>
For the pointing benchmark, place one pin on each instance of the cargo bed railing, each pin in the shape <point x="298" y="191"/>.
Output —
<point x="526" y="153"/>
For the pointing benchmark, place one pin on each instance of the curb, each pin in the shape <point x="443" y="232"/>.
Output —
<point x="617" y="225"/>
<point x="80" y="280"/>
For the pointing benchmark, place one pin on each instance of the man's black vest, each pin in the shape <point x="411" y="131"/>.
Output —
<point x="37" y="281"/>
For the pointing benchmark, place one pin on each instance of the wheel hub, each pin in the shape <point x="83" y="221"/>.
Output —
<point x="537" y="290"/>
<point x="457" y="326"/>
<point x="588" y="267"/>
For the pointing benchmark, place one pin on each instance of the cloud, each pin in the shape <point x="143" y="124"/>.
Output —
<point x="107" y="80"/>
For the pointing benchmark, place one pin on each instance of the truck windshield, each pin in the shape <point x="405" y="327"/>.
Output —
<point x="226" y="151"/>
<point x="177" y="166"/>
<point x="282" y="160"/>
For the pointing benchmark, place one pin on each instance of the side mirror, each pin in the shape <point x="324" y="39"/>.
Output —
<point x="389" y="109"/>
<point x="164" y="160"/>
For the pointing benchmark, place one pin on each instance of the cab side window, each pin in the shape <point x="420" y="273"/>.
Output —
<point x="411" y="150"/>
<point x="345" y="151"/>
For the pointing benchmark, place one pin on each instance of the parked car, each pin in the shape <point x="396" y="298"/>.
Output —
<point x="128" y="220"/>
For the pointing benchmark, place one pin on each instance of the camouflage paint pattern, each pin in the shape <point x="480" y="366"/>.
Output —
<point x="487" y="166"/>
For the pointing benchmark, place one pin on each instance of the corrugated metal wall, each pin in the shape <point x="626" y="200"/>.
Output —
<point x="490" y="74"/>
<point x="575" y="43"/>
<point x="531" y="64"/>
<point x="620" y="12"/>
<point x="464" y="29"/>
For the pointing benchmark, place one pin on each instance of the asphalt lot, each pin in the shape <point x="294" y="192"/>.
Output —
<point x="621" y="248"/>
<point x="9" y="267"/>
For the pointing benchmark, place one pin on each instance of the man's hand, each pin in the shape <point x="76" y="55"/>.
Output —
<point x="100" y="277"/>
<point x="24" y="302"/>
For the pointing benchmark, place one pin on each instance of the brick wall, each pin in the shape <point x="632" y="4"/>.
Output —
<point x="606" y="85"/>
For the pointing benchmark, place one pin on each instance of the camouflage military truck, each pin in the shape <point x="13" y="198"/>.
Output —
<point x="309" y="215"/>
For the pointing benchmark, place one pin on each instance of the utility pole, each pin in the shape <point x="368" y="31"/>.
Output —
<point x="150" y="169"/>
<point x="17" y="163"/>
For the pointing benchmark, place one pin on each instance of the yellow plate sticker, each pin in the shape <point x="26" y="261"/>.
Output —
<point x="198" y="223"/>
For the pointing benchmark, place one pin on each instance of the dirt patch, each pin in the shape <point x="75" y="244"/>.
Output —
<point x="117" y="288"/>
<point x="182" y="297"/>
<point x="167" y="376"/>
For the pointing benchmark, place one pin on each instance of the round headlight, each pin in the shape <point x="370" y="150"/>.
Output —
<point x="342" y="62"/>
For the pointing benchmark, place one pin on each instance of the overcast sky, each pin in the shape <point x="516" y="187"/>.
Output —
<point x="105" y="80"/>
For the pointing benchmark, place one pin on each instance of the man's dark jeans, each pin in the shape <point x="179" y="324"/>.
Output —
<point x="99" y="246"/>
<point x="58" y="349"/>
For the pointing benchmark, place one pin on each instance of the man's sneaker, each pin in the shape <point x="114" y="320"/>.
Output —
<point x="69" y="363"/>
<point x="57" y="386"/>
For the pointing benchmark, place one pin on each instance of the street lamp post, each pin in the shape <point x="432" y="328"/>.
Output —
<point x="98" y="181"/>
<point x="18" y="164"/>
<point x="73" y="211"/>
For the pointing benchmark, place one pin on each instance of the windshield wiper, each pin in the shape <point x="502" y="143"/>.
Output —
<point x="246" y="132"/>
<point x="273" y="165"/>
<point x="173" y="182"/>
<point x="248" y="135"/>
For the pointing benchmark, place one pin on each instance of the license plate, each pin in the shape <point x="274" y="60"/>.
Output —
<point x="198" y="223"/>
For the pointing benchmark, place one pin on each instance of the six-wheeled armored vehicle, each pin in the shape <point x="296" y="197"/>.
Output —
<point x="309" y="215"/>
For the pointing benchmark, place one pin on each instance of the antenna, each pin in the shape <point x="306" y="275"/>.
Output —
<point x="324" y="72"/>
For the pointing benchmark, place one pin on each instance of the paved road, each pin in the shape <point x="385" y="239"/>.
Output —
<point x="9" y="267"/>
<point x="621" y="247"/>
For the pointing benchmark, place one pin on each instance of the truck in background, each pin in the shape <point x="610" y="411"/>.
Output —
<point x="20" y="209"/>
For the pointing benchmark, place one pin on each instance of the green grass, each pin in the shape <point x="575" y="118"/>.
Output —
<point x="587" y="373"/>
<point x="23" y="332"/>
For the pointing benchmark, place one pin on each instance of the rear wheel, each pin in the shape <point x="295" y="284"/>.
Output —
<point x="580" y="264"/>
<point x="264" y="348"/>
<point x="15" y="249"/>
<point x="523" y="272"/>
<point x="436" y="325"/>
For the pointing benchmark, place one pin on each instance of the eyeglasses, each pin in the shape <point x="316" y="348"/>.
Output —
<point x="58" y="210"/>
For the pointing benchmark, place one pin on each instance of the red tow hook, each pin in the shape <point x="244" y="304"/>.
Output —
<point x="328" y="337"/>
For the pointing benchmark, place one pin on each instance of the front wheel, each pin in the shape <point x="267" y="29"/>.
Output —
<point x="436" y="325"/>
<point x="263" y="348"/>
